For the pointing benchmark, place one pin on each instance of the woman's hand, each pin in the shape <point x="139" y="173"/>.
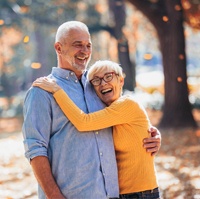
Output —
<point x="46" y="84"/>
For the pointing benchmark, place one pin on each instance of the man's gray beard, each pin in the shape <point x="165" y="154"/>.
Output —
<point x="80" y="68"/>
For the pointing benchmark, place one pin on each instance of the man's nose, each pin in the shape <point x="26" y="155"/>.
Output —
<point x="85" y="49"/>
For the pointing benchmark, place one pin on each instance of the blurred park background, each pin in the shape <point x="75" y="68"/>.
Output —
<point x="157" y="42"/>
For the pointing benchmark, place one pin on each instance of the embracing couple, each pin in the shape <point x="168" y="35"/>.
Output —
<point x="83" y="138"/>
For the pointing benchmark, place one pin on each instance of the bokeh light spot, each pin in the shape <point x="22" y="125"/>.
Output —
<point x="26" y="39"/>
<point x="36" y="65"/>
<point x="148" y="56"/>
<point x="1" y="22"/>
<point x="179" y="79"/>
<point x="177" y="7"/>
<point x="181" y="56"/>
<point x="165" y="18"/>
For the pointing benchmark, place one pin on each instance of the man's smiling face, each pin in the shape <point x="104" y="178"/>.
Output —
<point x="76" y="51"/>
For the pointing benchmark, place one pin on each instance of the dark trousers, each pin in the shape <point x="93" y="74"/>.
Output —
<point x="149" y="194"/>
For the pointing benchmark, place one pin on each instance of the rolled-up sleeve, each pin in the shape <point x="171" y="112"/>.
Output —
<point x="37" y="123"/>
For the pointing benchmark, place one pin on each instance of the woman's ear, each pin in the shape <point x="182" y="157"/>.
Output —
<point x="58" y="47"/>
<point x="122" y="81"/>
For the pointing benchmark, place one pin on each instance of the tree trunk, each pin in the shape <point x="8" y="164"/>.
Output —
<point x="167" y="18"/>
<point x="117" y="8"/>
<point x="128" y="67"/>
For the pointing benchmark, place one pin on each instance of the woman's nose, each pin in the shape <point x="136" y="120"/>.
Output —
<point x="103" y="82"/>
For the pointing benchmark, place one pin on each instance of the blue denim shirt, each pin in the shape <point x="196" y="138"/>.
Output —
<point x="83" y="164"/>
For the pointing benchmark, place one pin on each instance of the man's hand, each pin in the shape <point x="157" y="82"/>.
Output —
<point x="153" y="143"/>
<point x="42" y="170"/>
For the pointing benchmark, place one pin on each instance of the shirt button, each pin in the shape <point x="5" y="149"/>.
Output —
<point x="97" y="132"/>
<point x="67" y="77"/>
<point x="71" y="73"/>
<point x="76" y="80"/>
<point x="101" y="154"/>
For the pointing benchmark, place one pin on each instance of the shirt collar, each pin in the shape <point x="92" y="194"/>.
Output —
<point x="66" y="74"/>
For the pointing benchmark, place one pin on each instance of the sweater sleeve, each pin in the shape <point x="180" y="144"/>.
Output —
<point x="119" y="112"/>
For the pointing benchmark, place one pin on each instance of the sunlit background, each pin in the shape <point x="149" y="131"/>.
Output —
<point x="27" y="36"/>
<point x="27" y="32"/>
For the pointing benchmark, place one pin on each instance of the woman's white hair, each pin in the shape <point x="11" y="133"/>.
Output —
<point x="101" y="65"/>
<point x="65" y="28"/>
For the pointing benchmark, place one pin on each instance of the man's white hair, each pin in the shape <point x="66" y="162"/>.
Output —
<point x="65" y="28"/>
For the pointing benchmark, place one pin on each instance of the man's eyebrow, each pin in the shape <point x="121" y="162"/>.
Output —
<point x="80" y="42"/>
<point x="76" y="42"/>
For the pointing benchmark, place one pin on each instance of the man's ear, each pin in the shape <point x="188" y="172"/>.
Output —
<point x="58" y="47"/>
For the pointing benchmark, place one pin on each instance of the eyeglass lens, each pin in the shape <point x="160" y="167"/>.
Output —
<point x="107" y="78"/>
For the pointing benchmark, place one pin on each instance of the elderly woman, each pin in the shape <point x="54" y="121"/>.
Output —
<point x="136" y="170"/>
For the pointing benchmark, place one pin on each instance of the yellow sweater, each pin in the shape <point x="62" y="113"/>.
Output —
<point x="130" y="123"/>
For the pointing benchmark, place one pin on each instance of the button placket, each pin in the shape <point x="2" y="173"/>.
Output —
<point x="73" y="74"/>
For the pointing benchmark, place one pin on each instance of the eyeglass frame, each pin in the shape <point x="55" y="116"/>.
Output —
<point x="102" y="78"/>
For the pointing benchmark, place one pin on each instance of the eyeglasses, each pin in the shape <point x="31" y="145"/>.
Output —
<point x="107" y="78"/>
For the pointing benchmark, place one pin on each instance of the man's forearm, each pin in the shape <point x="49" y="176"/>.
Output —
<point x="43" y="174"/>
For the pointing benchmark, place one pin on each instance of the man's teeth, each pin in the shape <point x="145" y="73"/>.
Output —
<point x="82" y="58"/>
<point x="106" y="90"/>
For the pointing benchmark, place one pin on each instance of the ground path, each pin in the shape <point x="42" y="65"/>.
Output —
<point x="178" y="162"/>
